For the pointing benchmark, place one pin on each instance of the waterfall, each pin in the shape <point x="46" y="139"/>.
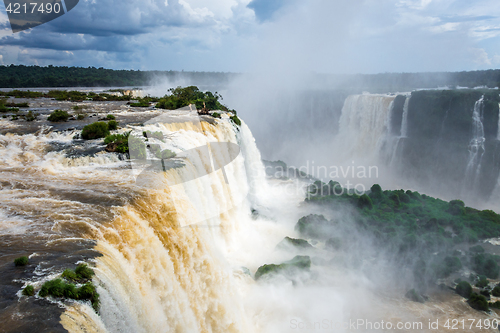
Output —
<point x="364" y="125"/>
<point x="160" y="273"/>
<point x="476" y="147"/>
<point x="404" y="122"/>
<point x="498" y="128"/>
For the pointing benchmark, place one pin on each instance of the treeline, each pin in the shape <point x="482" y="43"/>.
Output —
<point x="20" y="76"/>
<point x="51" y="76"/>
<point x="393" y="82"/>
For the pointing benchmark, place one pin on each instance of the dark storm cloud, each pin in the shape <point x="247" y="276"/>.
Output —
<point x="39" y="39"/>
<point x="125" y="17"/>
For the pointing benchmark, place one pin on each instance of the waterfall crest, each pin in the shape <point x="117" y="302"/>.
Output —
<point x="364" y="125"/>
<point x="159" y="272"/>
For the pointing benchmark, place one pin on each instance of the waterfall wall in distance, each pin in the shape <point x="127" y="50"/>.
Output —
<point x="437" y="142"/>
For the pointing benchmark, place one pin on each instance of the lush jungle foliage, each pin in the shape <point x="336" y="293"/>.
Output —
<point x="181" y="97"/>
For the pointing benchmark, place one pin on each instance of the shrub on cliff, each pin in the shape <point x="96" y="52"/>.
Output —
<point x="464" y="289"/>
<point x="364" y="201"/>
<point x="236" y="120"/>
<point x="485" y="264"/>
<point x="478" y="302"/>
<point x="297" y="263"/>
<point x="58" y="115"/>
<point x="95" y="131"/>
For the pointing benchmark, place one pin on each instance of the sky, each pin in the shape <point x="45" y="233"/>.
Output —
<point x="325" y="36"/>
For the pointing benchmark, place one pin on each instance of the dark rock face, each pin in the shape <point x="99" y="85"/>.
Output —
<point x="440" y="130"/>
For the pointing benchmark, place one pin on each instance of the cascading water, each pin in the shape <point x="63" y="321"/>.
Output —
<point x="364" y="125"/>
<point x="404" y="122"/>
<point x="476" y="148"/>
<point x="395" y="144"/>
<point x="498" y="128"/>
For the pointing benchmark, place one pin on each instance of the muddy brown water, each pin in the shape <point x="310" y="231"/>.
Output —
<point x="54" y="191"/>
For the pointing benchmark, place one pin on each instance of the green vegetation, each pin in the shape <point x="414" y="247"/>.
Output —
<point x="414" y="296"/>
<point x="464" y="289"/>
<point x="9" y="107"/>
<point x="58" y="115"/>
<point x="405" y="220"/>
<point x="117" y="143"/>
<point x="95" y="130"/>
<point x="81" y="274"/>
<point x="478" y="302"/>
<point x="65" y="288"/>
<point x="297" y="263"/>
<point x="51" y="76"/>
<point x="486" y="264"/>
<point x="236" y="120"/>
<point x="112" y="125"/>
<point x="298" y="243"/>
<point x="496" y="291"/>
<point x="21" y="261"/>
<point x="30" y="116"/>
<point x="29" y="290"/>
<point x="110" y="117"/>
<point x="180" y="97"/>
<point x="137" y="148"/>
<point x="153" y="135"/>
<point x="215" y="115"/>
<point x="80" y="116"/>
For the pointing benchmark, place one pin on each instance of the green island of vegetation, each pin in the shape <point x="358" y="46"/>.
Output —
<point x="73" y="284"/>
<point x="435" y="239"/>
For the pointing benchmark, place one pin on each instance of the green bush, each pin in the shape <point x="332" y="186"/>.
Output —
<point x="236" y="120"/>
<point x="69" y="275"/>
<point x="95" y="131"/>
<point x="376" y="188"/>
<point x="110" y="117"/>
<point x="84" y="272"/>
<point x="298" y="262"/>
<point x="166" y="154"/>
<point x="137" y="148"/>
<point x="21" y="261"/>
<point x="117" y="143"/>
<point x="154" y="135"/>
<point x="482" y="283"/>
<point x="58" y="115"/>
<point x="485" y="264"/>
<point x="414" y="296"/>
<point x="365" y="201"/>
<point x="52" y="288"/>
<point x="478" y="302"/>
<point x="496" y="291"/>
<point x="81" y="116"/>
<point x="29" y="290"/>
<point x="112" y="125"/>
<point x="31" y="116"/>
<point x="464" y="289"/>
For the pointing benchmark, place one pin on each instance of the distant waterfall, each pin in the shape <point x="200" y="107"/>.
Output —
<point x="364" y="124"/>
<point x="404" y="122"/>
<point x="498" y="128"/>
<point x="476" y="147"/>
<point x="395" y="143"/>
